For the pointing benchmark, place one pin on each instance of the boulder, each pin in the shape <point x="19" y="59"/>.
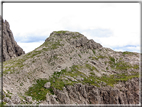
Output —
<point x="47" y="85"/>
<point x="29" y="99"/>
<point x="7" y="100"/>
<point x="15" y="99"/>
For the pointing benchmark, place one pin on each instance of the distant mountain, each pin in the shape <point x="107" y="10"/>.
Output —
<point x="70" y="69"/>
<point x="10" y="48"/>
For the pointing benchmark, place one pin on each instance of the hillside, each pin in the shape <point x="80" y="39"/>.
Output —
<point x="70" y="69"/>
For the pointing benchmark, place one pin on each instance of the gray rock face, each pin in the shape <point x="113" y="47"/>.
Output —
<point x="51" y="99"/>
<point x="84" y="42"/>
<point x="86" y="94"/>
<point x="79" y="41"/>
<point x="0" y="38"/>
<point x="10" y="48"/>
<point x="62" y="97"/>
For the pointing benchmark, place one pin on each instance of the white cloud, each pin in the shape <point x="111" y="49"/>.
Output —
<point x="119" y="41"/>
<point x="28" y="47"/>
<point x="40" y="19"/>
<point x="119" y="50"/>
<point x="134" y="49"/>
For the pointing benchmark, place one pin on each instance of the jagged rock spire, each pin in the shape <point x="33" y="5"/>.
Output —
<point x="10" y="48"/>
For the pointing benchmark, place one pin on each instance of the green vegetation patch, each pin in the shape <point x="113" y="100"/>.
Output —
<point x="79" y="55"/>
<point x="74" y="37"/>
<point x="94" y="52"/>
<point x="74" y="34"/>
<point x="56" y="45"/>
<point x="37" y="91"/>
<point x="109" y="80"/>
<point x="121" y="65"/>
<point x="51" y="45"/>
<point x="102" y="57"/>
<point x="113" y="79"/>
<point x="8" y="94"/>
<point x="9" y="66"/>
<point x="112" y="59"/>
<point x="135" y="67"/>
<point x="91" y="68"/>
<point x="2" y="104"/>
<point x="92" y="80"/>
<point x="32" y="54"/>
<point x="12" y="64"/>
<point x="58" y="81"/>
<point x="128" y="53"/>
<point x="98" y="57"/>
<point x="60" y="32"/>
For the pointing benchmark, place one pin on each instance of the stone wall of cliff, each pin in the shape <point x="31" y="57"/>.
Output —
<point x="10" y="48"/>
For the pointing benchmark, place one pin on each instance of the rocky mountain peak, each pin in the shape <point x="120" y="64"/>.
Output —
<point x="68" y="34"/>
<point x="73" y="38"/>
<point x="10" y="48"/>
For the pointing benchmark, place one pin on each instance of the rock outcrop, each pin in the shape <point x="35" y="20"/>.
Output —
<point x="70" y="69"/>
<point x="10" y="48"/>
<point x="123" y="93"/>
<point x="0" y="38"/>
<point x="80" y="41"/>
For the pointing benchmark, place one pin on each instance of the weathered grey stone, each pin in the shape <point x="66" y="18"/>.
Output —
<point x="7" y="100"/>
<point x="79" y="78"/>
<point x="15" y="99"/>
<point x="84" y="42"/>
<point x="53" y="99"/>
<point x="62" y="97"/>
<point x="10" y="48"/>
<point x="71" y="78"/>
<point x="80" y="94"/>
<point x="29" y="99"/>
<point x="48" y="98"/>
<point x="47" y="85"/>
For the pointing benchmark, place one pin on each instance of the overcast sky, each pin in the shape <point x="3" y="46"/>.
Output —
<point x="113" y="25"/>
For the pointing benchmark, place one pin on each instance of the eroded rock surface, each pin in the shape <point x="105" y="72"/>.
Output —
<point x="10" y="48"/>
<point x="88" y="94"/>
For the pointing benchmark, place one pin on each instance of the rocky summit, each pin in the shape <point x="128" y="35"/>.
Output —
<point x="10" y="47"/>
<point x="70" y="69"/>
